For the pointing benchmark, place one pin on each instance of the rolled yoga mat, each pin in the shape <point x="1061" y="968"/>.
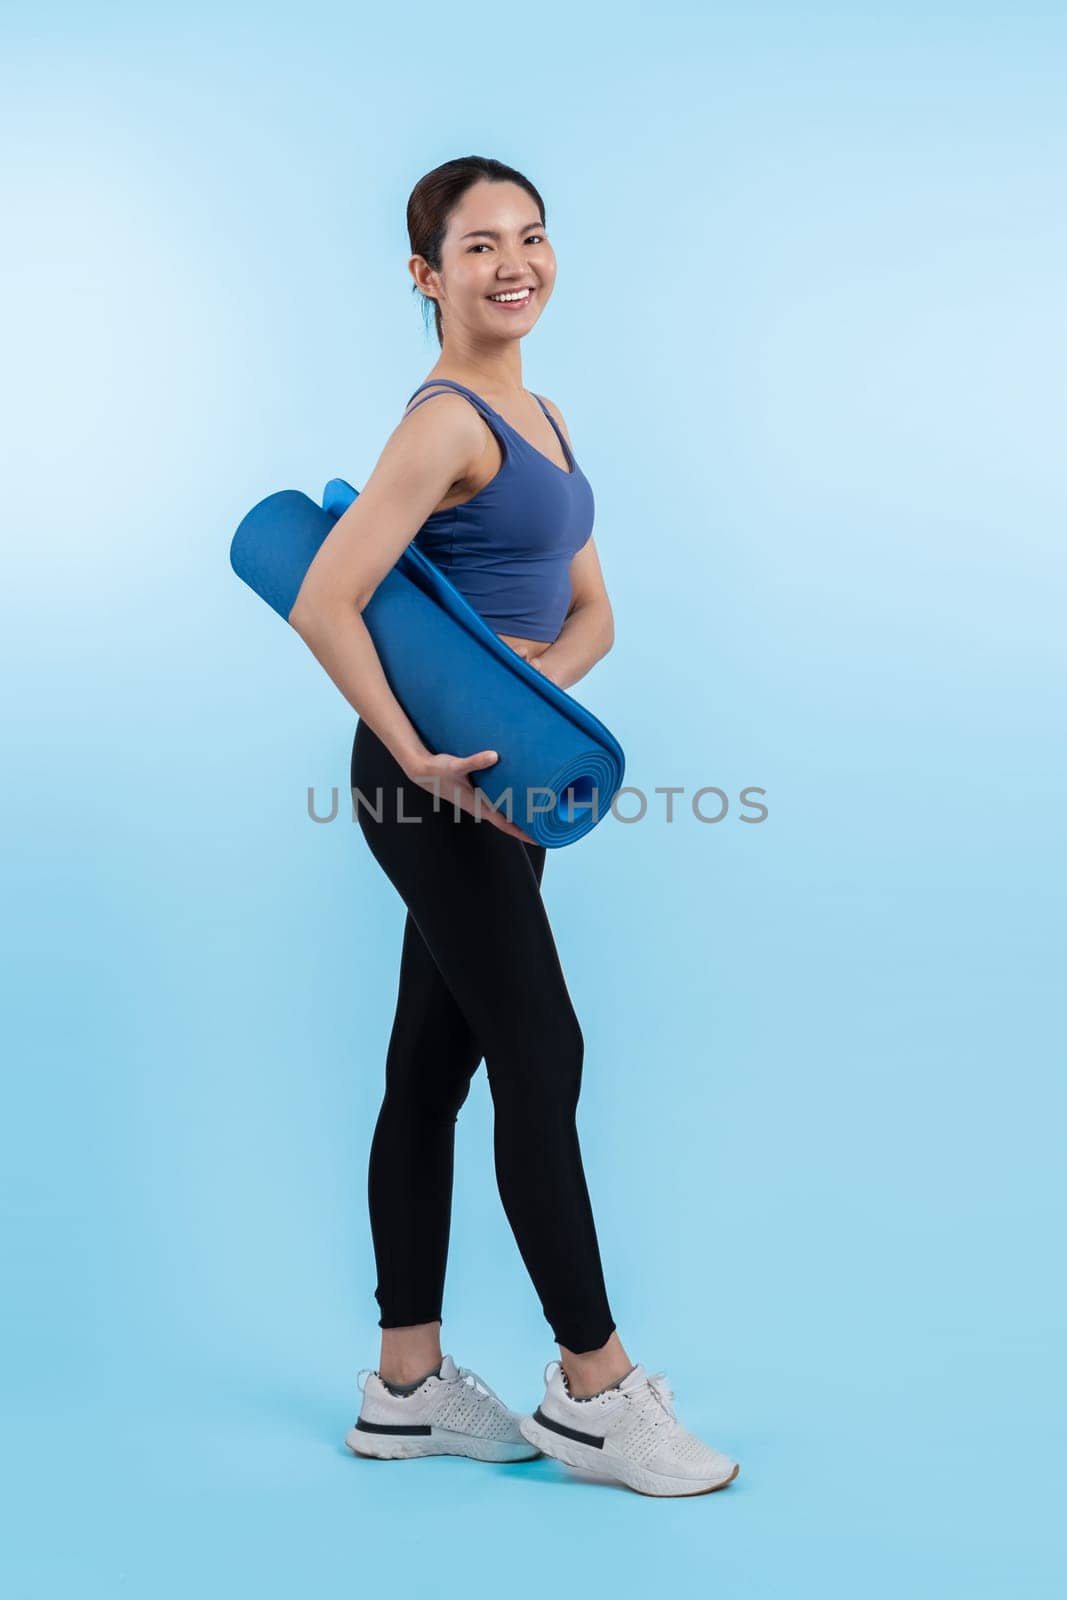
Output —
<point x="463" y="688"/>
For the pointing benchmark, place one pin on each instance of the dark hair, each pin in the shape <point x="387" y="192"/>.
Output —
<point x="435" y="197"/>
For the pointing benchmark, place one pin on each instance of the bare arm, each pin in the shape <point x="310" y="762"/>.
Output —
<point x="423" y="457"/>
<point x="588" y="631"/>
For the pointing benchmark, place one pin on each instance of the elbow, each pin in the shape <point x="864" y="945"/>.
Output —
<point x="312" y="609"/>
<point x="598" y="623"/>
<point x="305" y="615"/>
<point x="299" y="618"/>
<point x="608" y="634"/>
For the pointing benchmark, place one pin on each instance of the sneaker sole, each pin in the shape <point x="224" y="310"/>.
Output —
<point x="439" y="1442"/>
<point x="589" y="1458"/>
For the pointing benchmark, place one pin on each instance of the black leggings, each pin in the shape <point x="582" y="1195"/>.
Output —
<point x="479" y="976"/>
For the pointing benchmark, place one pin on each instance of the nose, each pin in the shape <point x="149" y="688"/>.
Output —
<point x="511" y="267"/>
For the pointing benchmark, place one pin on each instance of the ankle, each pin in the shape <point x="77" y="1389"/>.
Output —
<point x="408" y="1372"/>
<point x="588" y="1390"/>
<point x="590" y="1372"/>
<point x="409" y="1351"/>
<point x="404" y="1386"/>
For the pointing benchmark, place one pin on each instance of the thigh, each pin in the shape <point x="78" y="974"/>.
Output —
<point x="431" y="1037"/>
<point x="383" y="787"/>
<point x="474" y="894"/>
<point x="433" y="1050"/>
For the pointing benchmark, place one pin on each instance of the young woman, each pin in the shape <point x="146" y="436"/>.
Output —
<point x="481" y="474"/>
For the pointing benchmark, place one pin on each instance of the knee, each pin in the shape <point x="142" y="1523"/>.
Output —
<point x="544" y="1069"/>
<point x="571" y="1050"/>
<point x="566" y="1076"/>
<point x="426" y="1098"/>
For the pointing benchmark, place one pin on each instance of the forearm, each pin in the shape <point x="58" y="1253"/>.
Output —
<point x="588" y="633"/>
<point x="340" y="641"/>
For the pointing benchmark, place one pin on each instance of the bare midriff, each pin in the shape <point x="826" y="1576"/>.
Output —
<point x="525" y="647"/>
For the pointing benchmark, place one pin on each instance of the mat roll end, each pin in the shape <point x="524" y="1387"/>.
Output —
<point x="275" y="544"/>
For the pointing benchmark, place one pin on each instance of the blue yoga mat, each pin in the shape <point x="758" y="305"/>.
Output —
<point x="463" y="688"/>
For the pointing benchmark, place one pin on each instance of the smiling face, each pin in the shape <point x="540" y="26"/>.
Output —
<point x="495" y="245"/>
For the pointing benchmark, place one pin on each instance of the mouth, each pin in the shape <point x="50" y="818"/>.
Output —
<point x="521" y="298"/>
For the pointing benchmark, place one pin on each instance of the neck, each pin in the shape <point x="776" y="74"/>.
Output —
<point x="496" y="368"/>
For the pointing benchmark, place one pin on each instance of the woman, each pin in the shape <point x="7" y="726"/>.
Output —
<point x="485" y="481"/>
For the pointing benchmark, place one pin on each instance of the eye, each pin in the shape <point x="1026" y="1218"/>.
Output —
<point x="484" y="246"/>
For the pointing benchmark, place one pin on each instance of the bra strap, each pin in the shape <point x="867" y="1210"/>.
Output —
<point x="476" y="400"/>
<point x="493" y="418"/>
<point x="567" y="455"/>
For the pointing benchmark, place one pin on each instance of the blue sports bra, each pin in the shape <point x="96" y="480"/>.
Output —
<point x="508" y="549"/>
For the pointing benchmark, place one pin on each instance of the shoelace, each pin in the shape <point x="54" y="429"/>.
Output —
<point x="482" y="1389"/>
<point x="655" y="1383"/>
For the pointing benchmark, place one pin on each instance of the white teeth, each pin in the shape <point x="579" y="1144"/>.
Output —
<point x="522" y="294"/>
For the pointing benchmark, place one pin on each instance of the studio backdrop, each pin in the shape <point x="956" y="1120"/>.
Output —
<point x="808" y="339"/>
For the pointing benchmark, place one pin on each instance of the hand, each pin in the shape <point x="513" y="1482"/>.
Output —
<point x="539" y="662"/>
<point x="446" y="776"/>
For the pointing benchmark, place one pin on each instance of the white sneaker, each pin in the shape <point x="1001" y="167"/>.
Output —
<point x="629" y="1433"/>
<point x="456" y="1414"/>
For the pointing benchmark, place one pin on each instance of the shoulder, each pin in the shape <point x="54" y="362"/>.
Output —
<point x="557" y="413"/>
<point x="448" y="402"/>
<point x="444" y="432"/>
<point x="450" y="415"/>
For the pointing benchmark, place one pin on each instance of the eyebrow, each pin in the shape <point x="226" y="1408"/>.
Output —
<point x="491" y="233"/>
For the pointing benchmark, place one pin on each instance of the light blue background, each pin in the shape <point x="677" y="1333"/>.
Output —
<point x="809" y="338"/>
